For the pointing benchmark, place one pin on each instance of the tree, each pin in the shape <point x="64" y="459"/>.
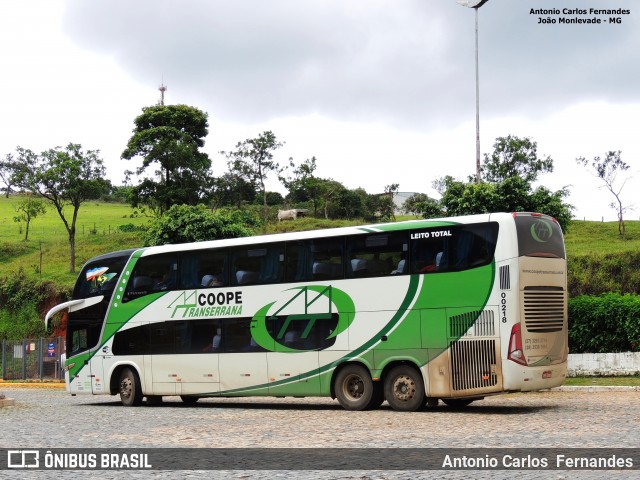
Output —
<point x="391" y="190"/>
<point x="607" y="170"/>
<point x="421" y="203"/>
<point x="253" y="161"/>
<point x="304" y="186"/>
<point x="511" y="195"/>
<point x="168" y="138"/>
<point x="5" y="173"/>
<point x="188" y="223"/>
<point x="230" y="189"/>
<point x="65" y="177"/>
<point x="513" y="156"/>
<point x="28" y="209"/>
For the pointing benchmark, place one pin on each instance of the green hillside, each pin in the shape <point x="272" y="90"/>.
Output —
<point x="99" y="230"/>
<point x="599" y="260"/>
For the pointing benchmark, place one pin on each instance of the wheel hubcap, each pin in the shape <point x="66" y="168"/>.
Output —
<point x="404" y="388"/>
<point x="354" y="386"/>
<point x="125" y="387"/>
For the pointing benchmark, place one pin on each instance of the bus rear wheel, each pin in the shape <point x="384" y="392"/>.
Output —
<point x="189" y="399"/>
<point x="404" y="388"/>
<point x="130" y="389"/>
<point x="354" y="388"/>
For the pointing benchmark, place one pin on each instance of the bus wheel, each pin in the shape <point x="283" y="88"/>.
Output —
<point x="457" y="402"/>
<point x="354" y="388"/>
<point x="189" y="400"/>
<point x="404" y="388"/>
<point x="130" y="389"/>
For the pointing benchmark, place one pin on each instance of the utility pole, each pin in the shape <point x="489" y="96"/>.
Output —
<point x="476" y="4"/>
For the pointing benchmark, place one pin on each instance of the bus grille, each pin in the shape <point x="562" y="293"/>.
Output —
<point x="473" y="364"/>
<point x="544" y="309"/>
<point x="484" y="325"/>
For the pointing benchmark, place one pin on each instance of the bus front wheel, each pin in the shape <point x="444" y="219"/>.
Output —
<point x="404" y="388"/>
<point x="130" y="389"/>
<point x="354" y="388"/>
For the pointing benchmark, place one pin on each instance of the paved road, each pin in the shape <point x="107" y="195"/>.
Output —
<point x="47" y="418"/>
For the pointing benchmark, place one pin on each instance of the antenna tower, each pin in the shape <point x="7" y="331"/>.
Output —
<point x="162" y="88"/>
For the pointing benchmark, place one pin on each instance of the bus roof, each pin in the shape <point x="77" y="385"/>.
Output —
<point x="329" y="232"/>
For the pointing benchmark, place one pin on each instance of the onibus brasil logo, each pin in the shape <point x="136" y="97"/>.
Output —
<point x="308" y="318"/>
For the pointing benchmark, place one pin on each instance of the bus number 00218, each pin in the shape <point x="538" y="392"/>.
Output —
<point x="503" y="307"/>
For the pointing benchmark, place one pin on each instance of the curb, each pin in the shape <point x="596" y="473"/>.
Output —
<point x="595" y="388"/>
<point x="51" y="385"/>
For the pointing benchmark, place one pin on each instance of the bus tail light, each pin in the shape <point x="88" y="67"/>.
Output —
<point x="515" y="346"/>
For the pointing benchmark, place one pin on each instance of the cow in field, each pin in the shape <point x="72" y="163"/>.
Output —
<point x="287" y="214"/>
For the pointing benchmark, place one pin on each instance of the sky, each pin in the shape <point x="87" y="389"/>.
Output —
<point x="379" y="91"/>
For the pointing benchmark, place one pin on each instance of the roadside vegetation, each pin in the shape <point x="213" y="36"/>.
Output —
<point x="59" y="209"/>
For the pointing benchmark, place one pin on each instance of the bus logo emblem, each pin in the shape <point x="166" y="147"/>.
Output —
<point x="311" y="317"/>
<point x="541" y="231"/>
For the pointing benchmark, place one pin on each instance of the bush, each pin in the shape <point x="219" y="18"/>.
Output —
<point x="184" y="223"/>
<point x="606" y="323"/>
<point x="23" y="304"/>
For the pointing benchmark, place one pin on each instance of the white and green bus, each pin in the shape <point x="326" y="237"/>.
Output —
<point x="451" y="309"/>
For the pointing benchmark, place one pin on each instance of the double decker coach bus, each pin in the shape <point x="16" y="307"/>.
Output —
<point x="452" y="309"/>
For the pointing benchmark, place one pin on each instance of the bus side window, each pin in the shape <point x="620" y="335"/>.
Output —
<point x="251" y="265"/>
<point x="376" y="255"/>
<point x="155" y="273"/>
<point x="203" y="269"/>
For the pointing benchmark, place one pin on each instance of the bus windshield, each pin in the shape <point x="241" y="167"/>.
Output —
<point x="98" y="278"/>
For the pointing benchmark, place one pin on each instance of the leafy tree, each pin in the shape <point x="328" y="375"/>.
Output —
<point x="513" y="156"/>
<point x="231" y="189"/>
<point x="6" y="170"/>
<point x="304" y="185"/>
<point x="274" y="198"/>
<point x="253" y="161"/>
<point x="28" y="209"/>
<point x="388" y="206"/>
<point x="330" y="191"/>
<point x="511" y="195"/>
<point x="379" y="208"/>
<point x="421" y="203"/>
<point x="67" y="178"/>
<point x="194" y="223"/>
<point x="607" y="170"/>
<point x="168" y="138"/>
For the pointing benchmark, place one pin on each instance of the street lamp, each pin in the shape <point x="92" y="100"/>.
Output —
<point x="476" y="4"/>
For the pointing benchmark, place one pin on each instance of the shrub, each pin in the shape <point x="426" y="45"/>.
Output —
<point x="23" y="304"/>
<point x="606" y="323"/>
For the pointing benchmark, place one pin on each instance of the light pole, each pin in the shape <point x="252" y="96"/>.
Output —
<point x="476" y="4"/>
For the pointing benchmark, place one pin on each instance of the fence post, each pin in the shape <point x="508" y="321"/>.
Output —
<point x="60" y="347"/>
<point x="41" y="359"/>
<point x="24" y="359"/>
<point x="4" y="359"/>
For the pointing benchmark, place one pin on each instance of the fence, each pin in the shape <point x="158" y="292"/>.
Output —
<point x="32" y="359"/>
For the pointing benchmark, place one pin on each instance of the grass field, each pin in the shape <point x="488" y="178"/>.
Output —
<point x="46" y="254"/>
<point x="630" y="381"/>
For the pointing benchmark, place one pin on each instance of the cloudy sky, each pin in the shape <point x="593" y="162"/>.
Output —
<point x="379" y="91"/>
